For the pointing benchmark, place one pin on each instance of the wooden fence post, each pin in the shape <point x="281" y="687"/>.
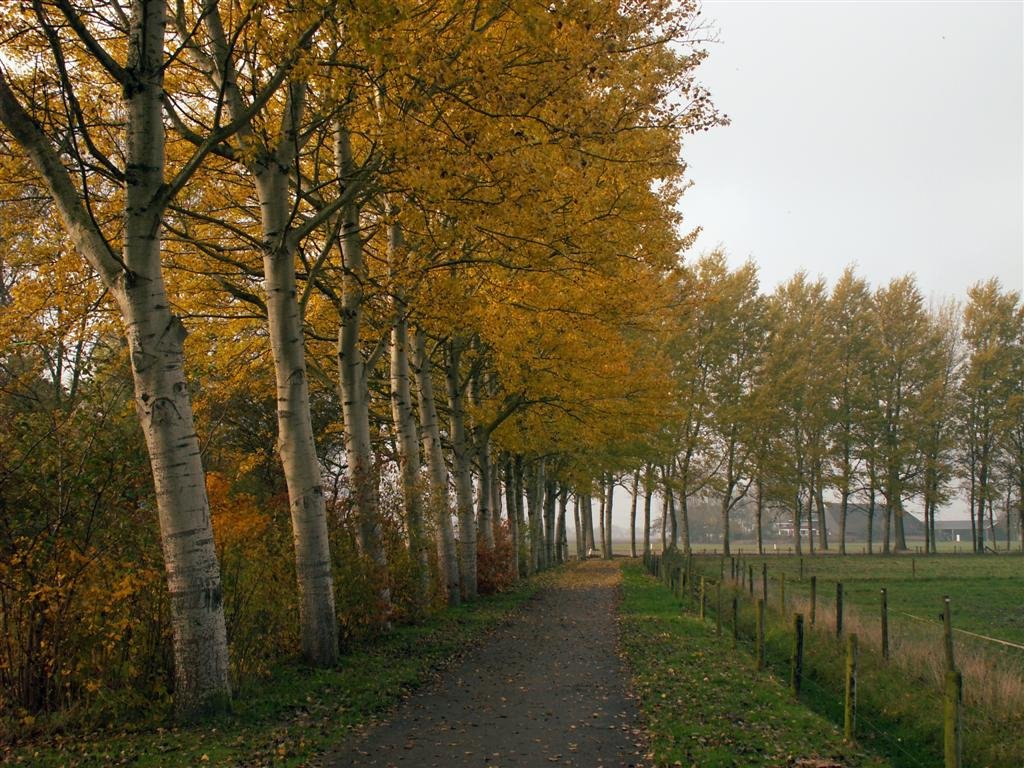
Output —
<point x="801" y="569"/>
<point x="850" y="700"/>
<point x="814" y="598"/>
<point x="797" y="669"/>
<point x="735" y="621"/>
<point x="759" y="634"/>
<point x="839" y="608"/>
<point x="885" y="623"/>
<point x="718" y="609"/>
<point x="750" y="580"/>
<point x="952" y="738"/>
<point x="947" y="631"/>
<point x="700" y="609"/>
<point x="764" y="581"/>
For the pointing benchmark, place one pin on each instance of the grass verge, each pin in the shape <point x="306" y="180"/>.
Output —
<point x="900" y="700"/>
<point x="704" y="704"/>
<point x="294" y="716"/>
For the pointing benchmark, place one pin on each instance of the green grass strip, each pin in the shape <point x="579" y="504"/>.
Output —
<point x="704" y="704"/>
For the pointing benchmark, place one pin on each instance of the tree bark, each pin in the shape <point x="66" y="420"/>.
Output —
<point x="871" y="513"/>
<point x="684" y="521"/>
<point x="550" y="511"/>
<point x="463" y="473"/>
<point x="495" y="497"/>
<point x="886" y="541"/>
<point x="523" y="551"/>
<point x="561" y="540"/>
<point x="970" y="503"/>
<point x="515" y="533"/>
<point x="844" y="508"/>
<point x="588" y="524"/>
<point x="404" y="422"/>
<point x="534" y="508"/>
<point x="648" y="494"/>
<point x="759" y="512"/>
<point x="271" y="167"/>
<point x="580" y="552"/>
<point x="664" y="514"/>
<point x="354" y="387"/>
<point x="632" y="514"/>
<point x="296" y="442"/>
<point x="430" y="436"/>
<point x="484" y="494"/>
<point x="797" y="521"/>
<point x="609" y="499"/>
<point x="822" y="524"/>
<point x="480" y="440"/>
<point x="155" y="341"/>
<point x="725" y="526"/>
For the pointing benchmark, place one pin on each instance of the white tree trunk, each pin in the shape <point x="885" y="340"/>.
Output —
<point x="550" y="507"/>
<point x="577" y="521"/>
<point x="463" y="473"/>
<point x="495" y="497"/>
<point x="648" y="495"/>
<point x="295" y="440"/>
<point x="587" y="517"/>
<point x="155" y="339"/>
<point x="408" y="451"/>
<point x="522" y="551"/>
<point x="534" y="509"/>
<point x="632" y="514"/>
<point x="513" y="522"/>
<point x="609" y="499"/>
<point x="355" y="396"/>
<point x="447" y="554"/>
<point x="271" y="169"/>
<point x="561" y="540"/>
<point x="485" y="495"/>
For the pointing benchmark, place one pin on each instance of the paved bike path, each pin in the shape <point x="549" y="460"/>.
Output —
<point x="546" y="688"/>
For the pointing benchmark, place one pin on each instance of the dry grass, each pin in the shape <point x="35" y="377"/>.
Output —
<point x="993" y="677"/>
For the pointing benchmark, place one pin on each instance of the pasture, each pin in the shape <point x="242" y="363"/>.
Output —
<point x="904" y="691"/>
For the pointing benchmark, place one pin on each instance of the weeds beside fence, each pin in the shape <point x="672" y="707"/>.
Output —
<point x="903" y="684"/>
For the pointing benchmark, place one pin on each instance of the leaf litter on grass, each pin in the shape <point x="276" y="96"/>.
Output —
<point x="703" y="703"/>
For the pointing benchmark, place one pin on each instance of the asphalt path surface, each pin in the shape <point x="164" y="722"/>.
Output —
<point x="546" y="688"/>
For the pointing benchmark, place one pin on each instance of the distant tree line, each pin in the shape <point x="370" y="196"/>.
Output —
<point x="850" y="393"/>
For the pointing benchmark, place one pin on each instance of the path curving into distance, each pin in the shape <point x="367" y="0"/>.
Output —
<point x="546" y="688"/>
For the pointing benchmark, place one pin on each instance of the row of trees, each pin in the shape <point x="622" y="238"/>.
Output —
<point x="366" y="276"/>
<point x="790" y="400"/>
<point x="413" y="247"/>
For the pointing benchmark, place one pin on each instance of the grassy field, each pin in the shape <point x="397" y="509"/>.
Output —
<point x="704" y="704"/>
<point x="287" y="720"/>
<point x="987" y="591"/>
<point x="902" y="695"/>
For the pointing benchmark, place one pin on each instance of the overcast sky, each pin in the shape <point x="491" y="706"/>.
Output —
<point x="889" y="135"/>
<point x="884" y="134"/>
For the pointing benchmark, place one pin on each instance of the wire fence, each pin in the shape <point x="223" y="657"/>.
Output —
<point x="897" y="655"/>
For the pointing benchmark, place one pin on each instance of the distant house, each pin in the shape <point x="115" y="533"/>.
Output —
<point x="856" y="524"/>
<point x="953" y="530"/>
